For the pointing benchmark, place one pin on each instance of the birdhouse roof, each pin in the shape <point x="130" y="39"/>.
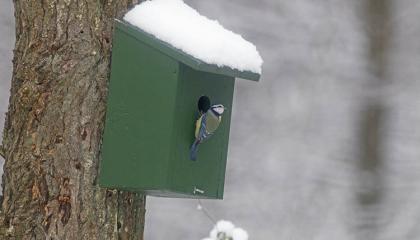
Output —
<point x="180" y="32"/>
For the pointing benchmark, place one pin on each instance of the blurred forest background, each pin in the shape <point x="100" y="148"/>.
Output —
<point x="327" y="145"/>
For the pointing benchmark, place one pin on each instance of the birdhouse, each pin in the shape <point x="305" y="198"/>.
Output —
<point x="152" y="108"/>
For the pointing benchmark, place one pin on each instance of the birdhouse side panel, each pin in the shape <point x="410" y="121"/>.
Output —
<point x="203" y="178"/>
<point x="139" y="120"/>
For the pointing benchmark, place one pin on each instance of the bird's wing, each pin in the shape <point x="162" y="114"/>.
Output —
<point x="202" y="129"/>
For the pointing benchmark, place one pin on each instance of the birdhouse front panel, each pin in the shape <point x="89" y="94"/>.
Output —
<point x="205" y="176"/>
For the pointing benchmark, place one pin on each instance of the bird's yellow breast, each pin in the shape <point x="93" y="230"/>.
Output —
<point x="197" y="126"/>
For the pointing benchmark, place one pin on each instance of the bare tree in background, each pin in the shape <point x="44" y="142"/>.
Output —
<point x="373" y="114"/>
<point x="54" y="126"/>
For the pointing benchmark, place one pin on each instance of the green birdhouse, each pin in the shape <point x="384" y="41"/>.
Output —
<point x="154" y="91"/>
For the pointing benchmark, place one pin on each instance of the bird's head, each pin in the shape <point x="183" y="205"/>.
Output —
<point x="218" y="109"/>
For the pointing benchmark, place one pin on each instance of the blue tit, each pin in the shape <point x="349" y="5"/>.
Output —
<point x="205" y="126"/>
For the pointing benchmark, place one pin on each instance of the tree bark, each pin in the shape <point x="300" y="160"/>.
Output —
<point x="55" y="122"/>
<point x="374" y="111"/>
<point x="373" y="119"/>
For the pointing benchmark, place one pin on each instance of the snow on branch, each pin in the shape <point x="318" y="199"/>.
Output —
<point x="225" y="230"/>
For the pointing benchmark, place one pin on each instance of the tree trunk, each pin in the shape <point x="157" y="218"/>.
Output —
<point x="373" y="119"/>
<point x="54" y="126"/>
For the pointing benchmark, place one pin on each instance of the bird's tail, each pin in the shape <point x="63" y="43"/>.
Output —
<point x="193" y="150"/>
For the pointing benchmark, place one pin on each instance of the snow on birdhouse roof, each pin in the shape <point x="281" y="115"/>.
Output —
<point x="182" y="27"/>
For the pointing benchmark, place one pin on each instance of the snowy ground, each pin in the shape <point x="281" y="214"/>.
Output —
<point x="295" y="149"/>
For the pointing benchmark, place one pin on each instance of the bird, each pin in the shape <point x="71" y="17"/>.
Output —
<point x="205" y="126"/>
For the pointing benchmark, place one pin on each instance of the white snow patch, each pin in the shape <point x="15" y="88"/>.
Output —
<point x="225" y="230"/>
<point x="181" y="26"/>
<point x="222" y="227"/>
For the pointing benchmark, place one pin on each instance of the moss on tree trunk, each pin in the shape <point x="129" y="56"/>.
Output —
<point x="54" y="126"/>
